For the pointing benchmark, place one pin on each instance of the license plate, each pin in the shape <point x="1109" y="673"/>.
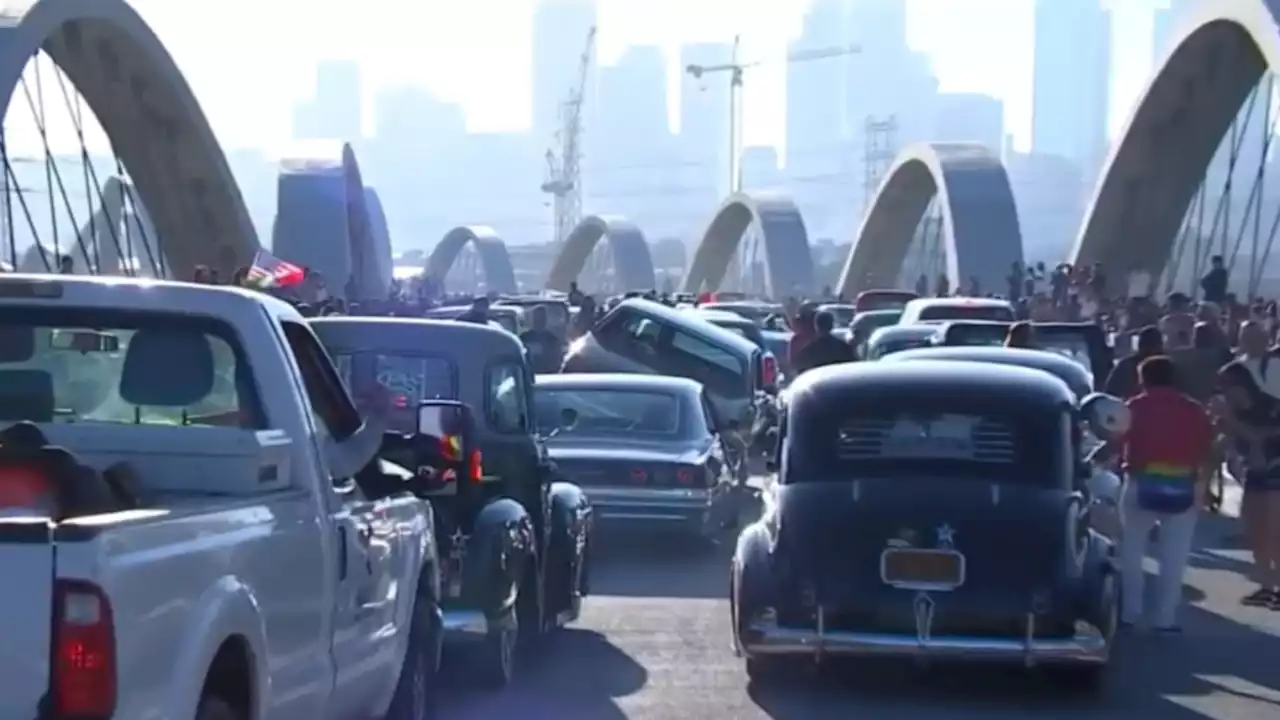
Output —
<point x="922" y="569"/>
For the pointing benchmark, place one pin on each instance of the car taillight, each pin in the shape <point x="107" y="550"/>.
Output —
<point x="475" y="467"/>
<point x="691" y="476"/>
<point x="769" y="371"/>
<point x="401" y="402"/>
<point x="83" y="676"/>
<point x="639" y="477"/>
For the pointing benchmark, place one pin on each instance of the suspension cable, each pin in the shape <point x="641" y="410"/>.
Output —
<point x="8" y="209"/>
<point x="48" y="167"/>
<point x="57" y="174"/>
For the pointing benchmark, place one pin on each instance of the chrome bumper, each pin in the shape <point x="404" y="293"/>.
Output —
<point x="464" y="625"/>
<point x="1087" y="646"/>
<point x="686" y="506"/>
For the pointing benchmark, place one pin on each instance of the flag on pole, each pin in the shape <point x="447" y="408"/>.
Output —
<point x="270" y="271"/>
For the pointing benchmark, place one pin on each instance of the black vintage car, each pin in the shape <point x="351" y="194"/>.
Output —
<point x="647" y="450"/>
<point x="928" y="509"/>
<point x="513" y="536"/>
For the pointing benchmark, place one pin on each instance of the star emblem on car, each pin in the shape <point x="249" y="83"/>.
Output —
<point x="458" y="542"/>
<point x="946" y="536"/>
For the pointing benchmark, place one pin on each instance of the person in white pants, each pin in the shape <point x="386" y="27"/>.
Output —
<point x="1172" y="551"/>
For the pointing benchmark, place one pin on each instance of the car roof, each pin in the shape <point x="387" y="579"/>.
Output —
<point x="929" y="377"/>
<point x="893" y="332"/>
<point x="1064" y="368"/>
<point x="416" y="335"/>
<point x="628" y="381"/>
<point x="723" y="316"/>
<point x="956" y="302"/>
<point x="709" y="330"/>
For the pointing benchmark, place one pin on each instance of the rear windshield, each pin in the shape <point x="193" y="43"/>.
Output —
<point x="962" y="438"/>
<point x="79" y="365"/>
<point x="947" y="311"/>
<point x="884" y="300"/>
<point x="1071" y="345"/>
<point x="604" y="412"/>
<point x="407" y="379"/>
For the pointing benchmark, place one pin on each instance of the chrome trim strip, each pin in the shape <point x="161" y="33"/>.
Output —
<point x="464" y="624"/>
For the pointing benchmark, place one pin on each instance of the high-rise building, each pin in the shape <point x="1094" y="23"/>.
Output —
<point x="1164" y="22"/>
<point x="335" y="110"/>
<point x="815" y="89"/>
<point x="559" y="36"/>
<point x="704" y="119"/>
<point x="970" y="117"/>
<point x="409" y="116"/>
<point x="1072" y="76"/>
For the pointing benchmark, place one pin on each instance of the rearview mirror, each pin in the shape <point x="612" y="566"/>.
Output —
<point x="84" y="341"/>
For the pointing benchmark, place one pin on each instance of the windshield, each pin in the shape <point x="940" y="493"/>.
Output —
<point x="883" y="300"/>
<point x="83" y="365"/>
<point x="612" y="413"/>
<point x="948" y="311"/>
<point x="923" y="437"/>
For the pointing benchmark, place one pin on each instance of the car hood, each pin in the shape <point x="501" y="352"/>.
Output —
<point x="1017" y="541"/>
<point x="596" y="450"/>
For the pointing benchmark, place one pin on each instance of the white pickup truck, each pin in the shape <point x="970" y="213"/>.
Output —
<point x="194" y="520"/>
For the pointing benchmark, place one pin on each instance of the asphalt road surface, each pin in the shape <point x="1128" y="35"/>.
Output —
<point x="653" y="644"/>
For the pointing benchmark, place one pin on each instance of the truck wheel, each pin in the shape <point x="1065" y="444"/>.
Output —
<point x="213" y="707"/>
<point x="497" y="654"/>
<point x="414" y="698"/>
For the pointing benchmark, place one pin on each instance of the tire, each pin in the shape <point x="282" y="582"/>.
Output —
<point x="415" y="695"/>
<point x="496" y="656"/>
<point x="213" y="707"/>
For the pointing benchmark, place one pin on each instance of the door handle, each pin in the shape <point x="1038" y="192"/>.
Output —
<point x="342" y="552"/>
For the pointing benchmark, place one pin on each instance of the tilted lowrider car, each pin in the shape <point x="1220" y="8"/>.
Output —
<point x="929" y="509"/>
<point x="648" y="450"/>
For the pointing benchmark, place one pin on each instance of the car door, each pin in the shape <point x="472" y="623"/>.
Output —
<point x="367" y="548"/>
<point x="510" y="449"/>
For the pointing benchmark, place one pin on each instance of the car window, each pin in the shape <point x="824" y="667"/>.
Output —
<point x="506" y="398"/>
<point x="330" y="404"/>
<point x="611" y="412"/>
<point x="720" y="370"/>
<point x="944" y="311"/>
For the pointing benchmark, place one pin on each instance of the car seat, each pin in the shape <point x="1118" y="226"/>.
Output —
<point x="167" y="368"/>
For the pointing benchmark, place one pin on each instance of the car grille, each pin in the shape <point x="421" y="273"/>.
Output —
<point x="989" y="440"/>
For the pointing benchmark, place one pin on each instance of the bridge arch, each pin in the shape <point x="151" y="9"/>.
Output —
<point x="144" y="105"/>
<point x="981" y="235"/>
<point x="1218" y="55"/>
<point x="499" y="272"/>
<point x="632" y="262"/>
<point x="786" y="243"/>
<point x="324" y="222"/>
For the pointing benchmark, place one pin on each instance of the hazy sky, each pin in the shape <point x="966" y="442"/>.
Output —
<point x="250" y="60"/>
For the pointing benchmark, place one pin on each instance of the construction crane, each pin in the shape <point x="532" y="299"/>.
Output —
<point x="564" y="180"/>
<point x="736" y="71"/>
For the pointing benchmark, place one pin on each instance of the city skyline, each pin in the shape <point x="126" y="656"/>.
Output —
<point x="460" y="53"/>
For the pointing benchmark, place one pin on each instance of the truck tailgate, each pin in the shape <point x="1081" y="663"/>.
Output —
<point x="26" y="605"/>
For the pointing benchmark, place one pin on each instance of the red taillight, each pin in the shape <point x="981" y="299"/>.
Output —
<point x="83" y="676"/>
<point x="769" y="371"/>
<point x="475" y="468"/>
<point x="639" y="477"/>
<point x="401" y="402"/>
<point x="686" y="476"/>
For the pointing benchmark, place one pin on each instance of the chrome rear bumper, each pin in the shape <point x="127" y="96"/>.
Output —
<point x="1088" y="646"/>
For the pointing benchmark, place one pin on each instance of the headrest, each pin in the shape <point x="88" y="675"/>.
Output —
<point x="26" y="395"/>
<point x="167" y="368"/>
<point x="17" y="343"/>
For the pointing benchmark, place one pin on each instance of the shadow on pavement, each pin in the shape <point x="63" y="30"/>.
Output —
<point x="652" y="565"/>
<point x="578" y="675"/>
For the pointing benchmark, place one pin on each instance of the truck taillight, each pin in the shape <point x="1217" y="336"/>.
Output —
<point x="475" y="468"/>
<point x="83" y="676"/>
<point x="769" y="371"/>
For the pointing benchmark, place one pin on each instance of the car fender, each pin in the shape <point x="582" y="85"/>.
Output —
<point x="500" y="546"/>
<point x="421" y="571"/>
<point x="753" y="568"/>
<point x="570" y="513"/>
<point x="227" y="608"/>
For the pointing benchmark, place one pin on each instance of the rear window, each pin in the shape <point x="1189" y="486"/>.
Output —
<point x="928" y="438"/>
<point x="409" y="379"/>
<point x="883" y="300"/>
<point x="997" y="313"/>
<point x="606" y="412"/>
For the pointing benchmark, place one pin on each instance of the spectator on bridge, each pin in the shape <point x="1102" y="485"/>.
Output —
<point x="66" y="265"/>
<point x="1214" y="283"/>
<point x="1123" y="380"/>
<point x="546" y="351"/>
<point x="802" y="331"/>
<point x="1252" y="420"/>
<point x="823" y="348"/>
<point x="1257" y="355"/>
<point x="202" y="276"/>
<point x="1166" y="455"/>
<point x="1021" y="335"/>
<point x="478" y="312"/>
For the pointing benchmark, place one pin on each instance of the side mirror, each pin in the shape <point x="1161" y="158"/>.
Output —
<point x="445" y="437"/>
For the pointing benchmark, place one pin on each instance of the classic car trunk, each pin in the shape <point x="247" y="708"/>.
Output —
<point x="1014" y="540"/>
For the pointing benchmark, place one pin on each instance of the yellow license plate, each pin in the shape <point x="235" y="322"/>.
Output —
<point x="922" y="569"/>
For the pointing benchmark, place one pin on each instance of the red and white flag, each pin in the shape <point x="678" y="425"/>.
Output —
<point x="270" y="271"/>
